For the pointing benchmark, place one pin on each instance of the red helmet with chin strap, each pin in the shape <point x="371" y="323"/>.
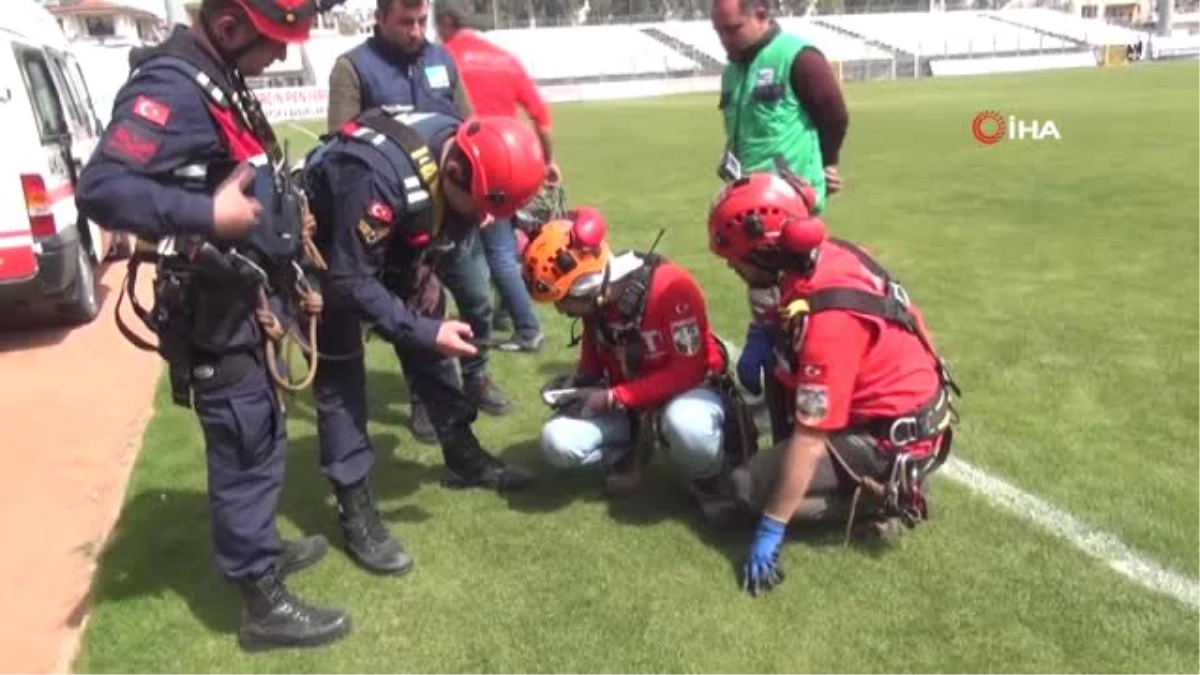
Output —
<point x="761" y="212"/>
<point x="286" y="21"/>
<point x="507" y="165"/>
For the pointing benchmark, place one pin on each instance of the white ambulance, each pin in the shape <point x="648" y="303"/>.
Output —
<point x="49" y="256"/>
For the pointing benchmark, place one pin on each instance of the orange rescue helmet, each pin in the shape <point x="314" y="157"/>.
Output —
<point x="567" y="257"/>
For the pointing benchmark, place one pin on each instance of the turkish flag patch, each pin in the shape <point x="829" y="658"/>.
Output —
<point x="149" y="109"/>
<point x="812" y="372"/>
<point x="380" y="211"/>
<point x="127" y="142"/>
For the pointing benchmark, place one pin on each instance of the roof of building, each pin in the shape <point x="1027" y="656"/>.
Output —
<point x="99" y="7"/>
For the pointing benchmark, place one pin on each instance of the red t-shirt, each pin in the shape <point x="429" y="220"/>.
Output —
<point x="495" y="80"/>
<point x="679" y="348"/>
<point x="851" y="367"/>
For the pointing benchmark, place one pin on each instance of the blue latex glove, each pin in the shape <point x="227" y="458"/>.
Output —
<point x="762" y="571"/>
<point x="756" y="355"/>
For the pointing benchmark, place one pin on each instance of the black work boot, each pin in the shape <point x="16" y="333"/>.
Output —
<point x="421" y="426"/>
<point x="301" y="554"/>
<point x="715" y="500"/>
<point x="469" y="465"/>
<point x="272" y="617"/>
<point x="484" y="393"/>
<point x="368" y="541"/>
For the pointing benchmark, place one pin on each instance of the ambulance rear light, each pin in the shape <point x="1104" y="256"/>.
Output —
<point x="38" y="205"/>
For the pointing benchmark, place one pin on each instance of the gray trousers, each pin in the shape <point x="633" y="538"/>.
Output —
<point x="831" y="491"/>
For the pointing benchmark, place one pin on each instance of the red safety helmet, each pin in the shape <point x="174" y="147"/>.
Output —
<point x="286" y="21"/>
<point x="763" y="211"/>
<point x="507" y="165"/>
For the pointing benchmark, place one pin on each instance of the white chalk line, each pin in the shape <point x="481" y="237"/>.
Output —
<point x="1096" y="543"/>
<point x="304" y="130"/>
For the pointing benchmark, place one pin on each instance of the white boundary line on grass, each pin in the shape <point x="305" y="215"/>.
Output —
<point x="304" y="130"/>
<point x="1096" y="543"/>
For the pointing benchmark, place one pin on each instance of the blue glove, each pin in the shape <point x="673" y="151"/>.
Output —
<point x="756" y="355"/>
<point x="762" y="571"/>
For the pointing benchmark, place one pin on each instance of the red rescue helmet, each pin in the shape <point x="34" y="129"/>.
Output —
<point x="286" y="21"/>
<point x="763" y="211"/>
<point x="507" y="165"/>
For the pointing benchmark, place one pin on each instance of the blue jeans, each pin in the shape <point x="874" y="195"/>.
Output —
<point x="692" y="429"/>
<point x="464" y="271"/>
<point x="500" y="248"/>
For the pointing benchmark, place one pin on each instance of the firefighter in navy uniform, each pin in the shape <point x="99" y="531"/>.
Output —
<point x="870" y="401"/>
<point x="390" y="192"/>
<point x="186" y="144"/>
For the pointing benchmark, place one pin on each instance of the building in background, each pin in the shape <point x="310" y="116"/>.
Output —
<point x="124" y="22"/>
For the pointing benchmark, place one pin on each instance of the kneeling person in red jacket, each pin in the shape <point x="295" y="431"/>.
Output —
<point x="870" y="403"/>
<point x="647" y="355"/>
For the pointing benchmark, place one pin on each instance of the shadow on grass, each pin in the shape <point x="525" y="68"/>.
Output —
<point x="664" y="496"/>
<point x="162" y="542"/>
<point x="161" y="546"/>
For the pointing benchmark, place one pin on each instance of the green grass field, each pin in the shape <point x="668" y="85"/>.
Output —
<point x="1059" y="277"/>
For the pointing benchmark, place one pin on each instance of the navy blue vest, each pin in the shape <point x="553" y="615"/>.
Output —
<point x="393" y="170"/>
<point x="425" y="81"/>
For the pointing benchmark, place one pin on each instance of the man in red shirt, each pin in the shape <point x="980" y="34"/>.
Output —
<point x="648" y="354"/>
<point x="870" y="398"/>
<point x="497" y="84"/>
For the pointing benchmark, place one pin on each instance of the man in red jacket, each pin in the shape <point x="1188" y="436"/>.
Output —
<point x="647" y="352"/>
<point x="497" y="84"/>
<point x="870" y="404"/>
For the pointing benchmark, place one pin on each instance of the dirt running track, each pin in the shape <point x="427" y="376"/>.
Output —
<point x="68" y="442"/>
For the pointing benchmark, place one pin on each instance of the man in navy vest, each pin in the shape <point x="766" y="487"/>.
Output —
<point x="398" y="66"/>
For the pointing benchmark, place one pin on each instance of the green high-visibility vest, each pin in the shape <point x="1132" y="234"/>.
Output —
<point x="763" y="117"/>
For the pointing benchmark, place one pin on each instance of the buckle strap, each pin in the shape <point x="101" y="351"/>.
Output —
<point x="928" y="421"/>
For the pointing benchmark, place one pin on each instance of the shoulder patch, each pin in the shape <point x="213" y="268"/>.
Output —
<point x="380" y="211"/>
<point x="812" y="403"/>
<point x="376" y="224"/>
<point x="372" y="232"/>
<point x="686" y="336"/>
<point x="152" y="110"/>
<point x="127" y="142"/>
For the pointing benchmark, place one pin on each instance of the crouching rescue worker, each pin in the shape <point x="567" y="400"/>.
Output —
<point x="186" y="142"/>
<point x="391" y="192"/>
<point x="870" y="399"/>
<point x="649" y="364"/>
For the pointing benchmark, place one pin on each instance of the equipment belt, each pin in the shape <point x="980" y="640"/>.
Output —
<point x="927" y="422"/>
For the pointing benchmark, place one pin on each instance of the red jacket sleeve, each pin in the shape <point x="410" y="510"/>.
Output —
<point x="827" y="368"/>
<point x="529" y="97"/>
<point x="678" y="313"/>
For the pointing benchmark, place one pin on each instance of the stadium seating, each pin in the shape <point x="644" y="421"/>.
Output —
<point x="590" y="51"/>
<point x="836" y="46"/>
<point x="946" y="33"/>
<point x="868" y="46"/>
<point x="1094" y="32"/>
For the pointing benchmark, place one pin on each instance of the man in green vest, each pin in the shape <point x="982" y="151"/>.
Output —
<point x="779" y="97"/>
<point x="783" y="109"/>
